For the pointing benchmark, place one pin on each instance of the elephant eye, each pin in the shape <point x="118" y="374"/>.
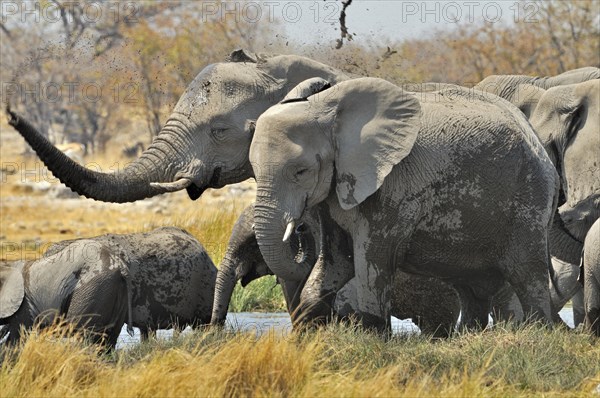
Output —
<point x="219" y="134"/>
<point x="301" y="172"/>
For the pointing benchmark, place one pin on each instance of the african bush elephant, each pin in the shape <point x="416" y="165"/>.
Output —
<point x="566" y="118"/>
<point x="460" y="189"/>
<point x="508" y="86"/>
<point x="591" y="278"/>
<point x="206" y="139"/>
<point x="430" y="303"/>
<point x="84" y="282"/>
<point x="154" y="280"/>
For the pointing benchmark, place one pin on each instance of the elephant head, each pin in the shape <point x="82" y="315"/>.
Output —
<point x="566" y="120"/>
<point x="12" y="292"/>
<point x="345" y="139"/>
<point x="204" y="142"/>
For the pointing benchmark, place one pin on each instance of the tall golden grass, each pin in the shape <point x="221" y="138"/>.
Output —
<point x="336" y="361"/>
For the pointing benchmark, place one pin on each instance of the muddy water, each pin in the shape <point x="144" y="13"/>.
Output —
<point x="279" y="323"/>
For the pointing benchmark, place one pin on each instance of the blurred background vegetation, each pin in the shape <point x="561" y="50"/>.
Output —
<point x="124" y="74"/>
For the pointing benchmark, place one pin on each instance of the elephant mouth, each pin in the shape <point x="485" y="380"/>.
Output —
<point x="302" y="250"/>
<point x="194" y="191"/>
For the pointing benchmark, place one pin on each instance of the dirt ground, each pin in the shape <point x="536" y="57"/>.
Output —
<point x="37" y="210"/>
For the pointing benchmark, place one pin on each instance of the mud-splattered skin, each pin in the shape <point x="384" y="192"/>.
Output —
<point x="82" y="281"/>
<point x="566" y="119"/>
<point x="170" y="275"/>
<point x="432" y="304"/>
<point x="152" y="280"/>
<point x="591" y="279"/>
<point x="458" y="187"/>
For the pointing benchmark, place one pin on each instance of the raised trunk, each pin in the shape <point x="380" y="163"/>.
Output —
<point x="131" y="184"/>
<point x="226" y="280"/>
<point x="278" y="255"/>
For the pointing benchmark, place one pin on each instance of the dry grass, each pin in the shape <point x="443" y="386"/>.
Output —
<point x="338" y="361"/>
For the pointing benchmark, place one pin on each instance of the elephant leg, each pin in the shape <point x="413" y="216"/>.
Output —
<point x="506" y="306"/>
<point x="526" y="267"/>
<point x="291" y="292"/>
<point x="592" y="304"/>
<point x="474" y="310"/>
<point x="333" y="269"/>
<point x="578" y="308"/>
<point x="145" y="333"/>
<point x="100" y="306"/>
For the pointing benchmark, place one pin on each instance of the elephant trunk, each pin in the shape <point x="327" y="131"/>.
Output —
<point x="226" y="280"/>
<point x="271" y="225"/>
<point x="150" y="175"/>
<point x="563" y="245"/>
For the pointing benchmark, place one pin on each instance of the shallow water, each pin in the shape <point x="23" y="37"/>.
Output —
<point x="279" y="323"/>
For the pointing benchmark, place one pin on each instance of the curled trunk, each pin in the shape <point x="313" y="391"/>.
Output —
<point x="133" y="183"/>
<point x="278" y="254"/>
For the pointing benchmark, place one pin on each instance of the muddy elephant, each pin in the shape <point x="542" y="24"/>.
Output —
<point x="591" y="279"/>
<point x="567" y="120"/>
<point x="458" y="187"/>
<point x="205" y="141"/>
<point x="85" y="283"/>
<point x="432" y="304"/>
<point x="154" y="280"/>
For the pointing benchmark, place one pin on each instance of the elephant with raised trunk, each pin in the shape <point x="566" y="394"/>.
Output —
<point x="432" y="304"/>
<point x="155" y="280"/>
<point x="205" y="141"/>
<point x="458" y="187"/>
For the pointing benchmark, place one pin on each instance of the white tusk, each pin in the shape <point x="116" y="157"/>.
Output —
<point x="178" y="185"/>
<point x="289" y="230"/>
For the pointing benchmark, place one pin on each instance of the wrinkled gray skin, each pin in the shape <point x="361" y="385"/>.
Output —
<point x="413" y="296"/>
<point x="567" y="121"/>
<point x="154" y="280"/>
<point x="172" y="277"/>
<point x="84" y="282"/>
<point x="516" y="88"/>
<point x="460" y="189"/>
<point x="591" y="279"/>
<point x="205" y="141"/>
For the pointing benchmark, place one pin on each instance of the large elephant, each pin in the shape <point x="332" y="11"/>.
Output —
<point x="431" y="304"/>
<point x="206" y="139"/>
<point x="591" y="278"/>
<point x="566" y="118"/>
<point x="458" y="187"/>
<point x="85" y="282"/>
<point x="159" y="279"/>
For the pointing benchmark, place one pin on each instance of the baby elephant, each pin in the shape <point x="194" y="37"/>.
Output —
<point x="591" y="278"/>
<point x="154" y="280"/>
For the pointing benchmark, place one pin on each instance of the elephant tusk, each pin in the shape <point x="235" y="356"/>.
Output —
<point x="178" y="185"/>
<point x="289" y="230"/>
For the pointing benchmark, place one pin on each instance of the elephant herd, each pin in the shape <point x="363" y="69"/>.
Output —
<point x="372" y="201"/>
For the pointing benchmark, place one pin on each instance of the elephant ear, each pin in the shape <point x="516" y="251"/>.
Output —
<point x="376" y="125"/>
<point x="12" y="290"/>
<point x="305" y="89"/>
